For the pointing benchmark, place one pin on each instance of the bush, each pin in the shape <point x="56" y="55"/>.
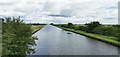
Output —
<point x="17" y="38"/>
<point x="106" y="30"/>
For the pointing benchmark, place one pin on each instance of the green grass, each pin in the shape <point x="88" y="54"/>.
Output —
<point x="107" y="39"/>
<point x="35" y="28"/>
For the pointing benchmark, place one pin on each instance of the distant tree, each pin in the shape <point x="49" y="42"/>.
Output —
<point x="116" y="25"/>
<point x="70" y="25"/>
<point x="51" y="23"/>
<point x="92" y="25"/>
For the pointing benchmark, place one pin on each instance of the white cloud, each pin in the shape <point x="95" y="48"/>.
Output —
<point x="77" y="11"/>
<point x="8" y="2"/>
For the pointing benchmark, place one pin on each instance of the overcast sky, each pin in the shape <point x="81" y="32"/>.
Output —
<point x="61" y="11"/>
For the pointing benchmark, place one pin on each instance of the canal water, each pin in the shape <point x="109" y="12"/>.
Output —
<point x="55" y="41"/>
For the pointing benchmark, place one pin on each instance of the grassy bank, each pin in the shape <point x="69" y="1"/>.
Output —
<point x="102" y="38"/>
<point x="35" y="28"/>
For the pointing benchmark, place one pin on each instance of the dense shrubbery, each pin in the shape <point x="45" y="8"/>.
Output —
<point x="17" y="38"/>
<point x="91" y="26"/>
<point x="96" y="28"/>
<point x="106" y="30"/>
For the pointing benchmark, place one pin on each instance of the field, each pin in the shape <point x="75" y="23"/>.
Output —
<point x="35" y="28"/>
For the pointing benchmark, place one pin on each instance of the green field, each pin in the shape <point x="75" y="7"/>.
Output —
<point x="35" y="28"/>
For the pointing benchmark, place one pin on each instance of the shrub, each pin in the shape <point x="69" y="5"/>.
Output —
<point x="17" y="38"/>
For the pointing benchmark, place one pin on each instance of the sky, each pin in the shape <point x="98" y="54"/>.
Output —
<point x="61" y="11"/>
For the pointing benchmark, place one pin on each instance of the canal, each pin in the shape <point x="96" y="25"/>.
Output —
<point x="55" y="41"/>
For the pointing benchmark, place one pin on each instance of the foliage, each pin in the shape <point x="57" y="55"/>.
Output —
<point x="107" y="30"/>
<point x="92" y="25"/>
<point x="36" y="24"/>
<point x="69" y="25"/>
<point x="51" y="24"/>
<point x="17" y="39"/>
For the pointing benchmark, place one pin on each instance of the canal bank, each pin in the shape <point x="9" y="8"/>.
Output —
<point x="94" y="36"/>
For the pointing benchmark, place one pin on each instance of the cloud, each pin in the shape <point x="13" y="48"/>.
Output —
<point x="59" y="15"/>
<point x="11" y="13"/>
<point x="8" y="2"/>
<point x="61" y="11"/>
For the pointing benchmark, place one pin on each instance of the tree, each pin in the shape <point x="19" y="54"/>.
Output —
<point x="51" y="24"/>
<point x="92" y="25"/>
<point x="70" y="25"/>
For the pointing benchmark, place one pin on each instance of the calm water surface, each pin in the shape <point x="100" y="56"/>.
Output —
<point x="55" y="41"/>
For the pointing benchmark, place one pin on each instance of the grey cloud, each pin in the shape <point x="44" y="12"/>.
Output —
<point x="56" y="21"/>
<point x="109" y="18"/>
<point x="6" y="3"/>
<point x="113" y="7"/>
<point x="67" y="12"/>
<point x="52" y="15"/>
